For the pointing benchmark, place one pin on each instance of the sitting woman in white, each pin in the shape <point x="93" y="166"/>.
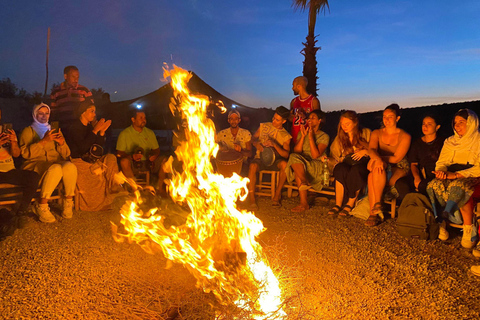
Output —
<point x="46" y="152"/>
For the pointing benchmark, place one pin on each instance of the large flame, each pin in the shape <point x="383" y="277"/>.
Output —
<point x="217" y="243"/>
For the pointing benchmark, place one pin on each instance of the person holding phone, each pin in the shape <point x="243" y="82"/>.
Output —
<point x="27" y="180"/>
<point x="46" y="152"/>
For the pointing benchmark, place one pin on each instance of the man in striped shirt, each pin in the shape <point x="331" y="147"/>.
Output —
<point x="67" y="97"/>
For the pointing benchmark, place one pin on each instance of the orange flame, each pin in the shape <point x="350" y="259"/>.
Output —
<point x="217" y="243"/>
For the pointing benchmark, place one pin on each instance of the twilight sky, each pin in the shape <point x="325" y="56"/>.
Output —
<point x="373" y="53"/>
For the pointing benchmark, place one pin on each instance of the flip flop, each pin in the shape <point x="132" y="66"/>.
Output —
<point x="345" y="212"/>
<point x="299" y="209"/>
<point x="334" y="210"/>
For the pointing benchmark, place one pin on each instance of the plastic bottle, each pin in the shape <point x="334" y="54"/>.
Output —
<point x="326" y="173"/>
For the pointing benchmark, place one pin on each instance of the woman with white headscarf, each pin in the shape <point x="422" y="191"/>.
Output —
<point x="457" y="173"/>
<point x="46" y="152"/>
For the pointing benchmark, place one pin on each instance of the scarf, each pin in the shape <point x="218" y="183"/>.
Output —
<point x="471" y="137"/>
<point x="39" y="128"/>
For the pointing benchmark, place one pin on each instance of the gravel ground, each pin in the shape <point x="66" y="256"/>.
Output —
<point x="329" y="268"/>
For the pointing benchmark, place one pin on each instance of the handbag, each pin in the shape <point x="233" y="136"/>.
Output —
<point x="351" y="162"/>
<point x="458" y="167"/>
<point x="94" y="153"/>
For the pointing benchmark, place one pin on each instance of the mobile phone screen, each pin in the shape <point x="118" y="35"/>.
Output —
<point x="54" y="126"/>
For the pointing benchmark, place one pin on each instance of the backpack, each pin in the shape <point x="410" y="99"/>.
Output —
<point x="416" y="219"/>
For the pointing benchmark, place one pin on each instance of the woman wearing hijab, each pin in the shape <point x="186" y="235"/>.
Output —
<point x="457" y="173"/>
<point x="96" y="180"/>
<point x="46" y="152"/>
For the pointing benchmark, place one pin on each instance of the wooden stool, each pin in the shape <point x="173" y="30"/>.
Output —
<point x="145" y="180"/>
<point x="267" y="188"/>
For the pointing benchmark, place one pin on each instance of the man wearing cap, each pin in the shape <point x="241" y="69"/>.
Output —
<point x="67" y="97"/>
<point x="271" y="135"/>
<point x="235" y="138"/>
<point x="138" y="150"/>
<point x="301" y="105"/>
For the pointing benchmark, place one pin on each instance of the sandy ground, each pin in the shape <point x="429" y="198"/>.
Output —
<point x="329" y="268"/>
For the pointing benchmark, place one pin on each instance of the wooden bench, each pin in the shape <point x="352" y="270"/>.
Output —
<point x="10" y="194"/>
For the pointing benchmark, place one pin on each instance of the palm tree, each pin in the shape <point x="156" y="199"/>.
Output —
<point x="314" y="7"/>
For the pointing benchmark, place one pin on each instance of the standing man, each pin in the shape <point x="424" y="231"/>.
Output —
<point x="67" y="97"/>
<point x="138" y="150"/>
<point x="271" y="135"/>
<point x="301" y="105"/>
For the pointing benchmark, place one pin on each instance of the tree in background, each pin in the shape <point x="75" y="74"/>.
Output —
<point x="314" y="7"/>
<point x="8" y="89"/>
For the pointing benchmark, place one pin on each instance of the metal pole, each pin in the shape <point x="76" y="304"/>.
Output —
<point x="48" y="49"/>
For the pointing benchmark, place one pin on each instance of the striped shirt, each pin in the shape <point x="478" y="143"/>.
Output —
<point x="65" y="101"/>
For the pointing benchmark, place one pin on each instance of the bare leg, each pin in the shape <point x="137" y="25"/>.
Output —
<point x="252" y="176"/>
<point x="126" y="166"/>
<point x="467" y="212"/>
<point x="396" y="174"/>
<point x="376" y="183"/>
<point x="282" y="177"/>
<point x="299" y="170"/>
<point x="339" y="193"/>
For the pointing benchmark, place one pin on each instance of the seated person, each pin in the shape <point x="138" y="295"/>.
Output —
<point x="46" y="153"/>
<point x="457" y="173"/>
<point x="27" y="180"/>
<point x="138" y="150"/>
<point x="236" y="138"/>
<point x="422" y="156"/>
<point x="96" y="172"/>
<point x="349" y="151"/>
<point x="305" y="166"/>
<point x="270" y="135"/>
<point x="388" y="148"/>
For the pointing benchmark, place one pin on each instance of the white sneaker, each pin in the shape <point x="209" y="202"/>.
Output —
<point x="43" y="212"/>
<point x="443" y="233"/>
<point x="467" y="237"/>
<point x="67" y="208"/>
<point x="475" y="270"/>
<point x="476" y="252"/>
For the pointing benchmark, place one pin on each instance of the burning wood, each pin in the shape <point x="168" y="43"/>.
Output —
<point x="202" y="227"/>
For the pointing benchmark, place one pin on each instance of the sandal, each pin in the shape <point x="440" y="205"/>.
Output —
<point x="377" y="208"/>
<point x="345" y="211"/>
<point x="372" y="220"/>
<point x="276" y="204"/>
<point x="299" y="208"/>
<point x="334" y="210"/>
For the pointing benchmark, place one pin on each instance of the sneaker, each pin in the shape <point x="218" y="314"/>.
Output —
<point x="476" y="251"/>
<point x="475" y="270"/>
<point x="443" y="233"/>
<point x="67" y="208"/>
<point x="467" y="237"/>
<point x="43" y="212"/>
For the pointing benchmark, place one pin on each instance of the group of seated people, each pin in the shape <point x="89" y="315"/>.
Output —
<point x="447" y="171"/>
<point x="77" y="160"/>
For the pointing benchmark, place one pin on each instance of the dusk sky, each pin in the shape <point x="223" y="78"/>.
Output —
<point x="414" y="53"/>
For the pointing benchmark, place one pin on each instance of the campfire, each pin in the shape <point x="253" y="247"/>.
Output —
<point x="201" y="227"/>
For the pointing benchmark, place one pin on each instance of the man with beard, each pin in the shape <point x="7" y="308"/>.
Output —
<point x="235" y="138"/>
<point x="138" y="150"/>
<point x="301" y="105"/>
<point x="270" y="135"/>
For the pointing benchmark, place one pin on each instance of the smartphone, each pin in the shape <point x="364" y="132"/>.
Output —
<point x="6" y="127"/>
<point x="54" y="126"/>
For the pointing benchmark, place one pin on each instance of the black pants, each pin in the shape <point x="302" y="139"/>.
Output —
<point x="27" y="180"/>
<point x="352" y="177"/>
<point x="406" y="185"/>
